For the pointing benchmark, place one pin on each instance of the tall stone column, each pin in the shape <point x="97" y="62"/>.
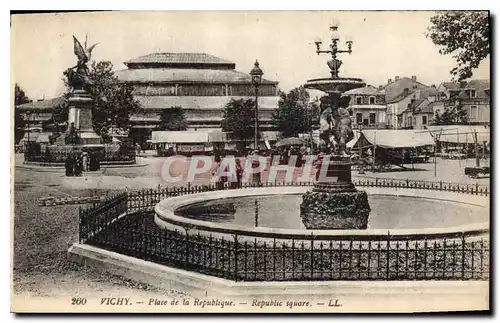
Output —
<point x="80" y="114"/>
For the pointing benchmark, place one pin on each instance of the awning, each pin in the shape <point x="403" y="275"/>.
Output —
<point x="460" y="134"/>
<point x="217" y="136"/>
<point x="179" y="137"/>
<point x="398" y="138"/>
<point x="33" y="136"/>
<point x="144" y="126"/>
<point x="44" y="137"/>
<point x="354" y="140"/>
<point x="269" y="135"/>
<point x="221" y="136"/>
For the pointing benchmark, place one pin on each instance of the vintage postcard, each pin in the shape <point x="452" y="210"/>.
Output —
<point x="251" y="161"/>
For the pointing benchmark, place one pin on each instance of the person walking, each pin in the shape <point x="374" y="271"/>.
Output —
<point x="219" y="184"/>
<point x="68" y="164"/>
<point x="85" y="161"/>
<point x="256" y="176"/>
<point x="236" y="179"/>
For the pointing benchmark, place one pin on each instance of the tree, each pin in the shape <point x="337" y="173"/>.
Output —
<point x="294" y="114"/>
<point x="452" y="115"/>
<point x="19" y="96"/>
<point x="19" y="121"/>
<point x="465" y="35"/>
<point x="59" y="119"/>
<point x="113" y="103"/>
<point x="238" y="119"/>
<point x="173" y="119"/>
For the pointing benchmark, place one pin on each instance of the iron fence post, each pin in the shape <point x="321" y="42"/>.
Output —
<point x="388" y="248"/>
<point x="463" y="254"/>
<point x="236" y="257"/>
<point x="80" y="224"/>
<point x="312" y="257"/>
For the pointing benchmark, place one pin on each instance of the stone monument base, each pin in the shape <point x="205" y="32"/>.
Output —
<point x="334" y="202"/>
<point x="342" y="210"/>
<point x="90" y="138"/>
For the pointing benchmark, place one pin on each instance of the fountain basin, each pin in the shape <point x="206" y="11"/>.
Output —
<point x="340" y="85"/>
<point x="166" y="217"/>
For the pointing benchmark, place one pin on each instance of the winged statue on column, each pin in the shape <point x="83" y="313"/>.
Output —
<point x="78" y="74"/>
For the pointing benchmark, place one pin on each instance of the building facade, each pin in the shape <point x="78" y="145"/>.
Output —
<point x="201" y="84"/>
<point x="418" y="114"/>
<point x="38" y="118"/>
<point x="473" y="96"/>
<point x="400" y="106"/>
<point x="367" y="107"/>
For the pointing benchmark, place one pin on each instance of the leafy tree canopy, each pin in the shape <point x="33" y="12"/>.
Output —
<point x="19" y="121"/>
<point x="173" y="119"/>
<point x="452" y="115"/>
<point x="295" y="114"/>
<point x="465" y="35"/>
<point x="19" y="95"/>
<point x="239" y="118"/>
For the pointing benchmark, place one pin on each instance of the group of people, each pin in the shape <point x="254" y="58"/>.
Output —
<point x="76" y="163"/>
<point x="286" y="152"/>
<point x="236" y="179"/>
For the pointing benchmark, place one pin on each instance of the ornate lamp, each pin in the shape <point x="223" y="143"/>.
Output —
<point x="256" y="74"/>
<point x="334" y="47"/>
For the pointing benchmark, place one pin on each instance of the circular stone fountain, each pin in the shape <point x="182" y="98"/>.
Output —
<point x="401" y="212"/>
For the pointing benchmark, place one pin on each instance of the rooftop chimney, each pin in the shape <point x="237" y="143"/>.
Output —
<point x="389" y="81"/>
<point x="414" y="78"/>
<point x="396" y="78"/>
<point x="380" y="87"/>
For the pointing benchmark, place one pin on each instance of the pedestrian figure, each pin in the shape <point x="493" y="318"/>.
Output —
<point x="256" y="180"/>
<point x="85" y="161"/>
<point x="215" y="172"/>
<point x="239" y="173"/>
<point x="68" y="164"/>
<point x="78" y="165"/>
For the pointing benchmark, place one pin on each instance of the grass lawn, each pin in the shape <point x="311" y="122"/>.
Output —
<point x="42" y="236"/>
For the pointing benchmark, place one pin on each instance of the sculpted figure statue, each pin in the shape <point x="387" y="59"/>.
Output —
<point x="78" y="74"/>
<point x="336" y="121"/>
<point x="343" y="132"/>
<point x="326" y="126"/>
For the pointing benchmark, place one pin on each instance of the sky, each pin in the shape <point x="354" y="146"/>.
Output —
<point x="386" y="44"/>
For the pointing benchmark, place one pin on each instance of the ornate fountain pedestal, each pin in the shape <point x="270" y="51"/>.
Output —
<point x="334" y="202"/>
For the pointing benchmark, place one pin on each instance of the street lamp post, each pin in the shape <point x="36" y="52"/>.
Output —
<point x="28" y="114"/>
<point x="27" y="153"/>
<point x="256" y="74"/>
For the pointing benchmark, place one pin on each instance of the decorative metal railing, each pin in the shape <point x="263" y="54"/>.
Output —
<point x="125" y="223"/>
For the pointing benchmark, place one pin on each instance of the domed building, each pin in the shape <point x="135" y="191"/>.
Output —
<point x="200" y="83"/>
